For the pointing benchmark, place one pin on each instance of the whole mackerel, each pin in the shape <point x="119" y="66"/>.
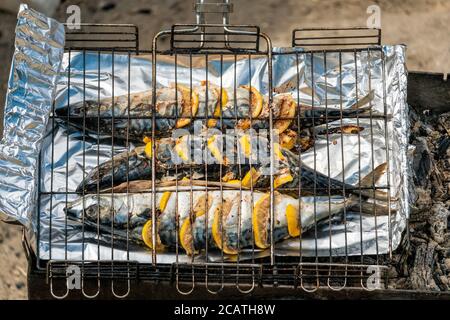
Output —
<point x="179" y="106"/>
<point x="193" y="219"/>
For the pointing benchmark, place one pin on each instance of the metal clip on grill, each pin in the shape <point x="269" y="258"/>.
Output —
<point x="215" y="46"/>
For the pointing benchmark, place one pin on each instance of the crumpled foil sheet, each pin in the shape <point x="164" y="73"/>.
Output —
<point x="39" y="47"/>
<point x="92" y="72"/>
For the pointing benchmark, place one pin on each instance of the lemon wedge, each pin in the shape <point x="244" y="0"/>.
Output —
<point x="260" y="220"/>
<point x="294" y="228"/>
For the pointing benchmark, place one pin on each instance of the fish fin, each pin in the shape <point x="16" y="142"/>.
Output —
<point x="131" y="186"/>
<point x="370" y="208"/>
<point x="373" y="177"/>
<point x="373" y="206"/>
<point x="370" y="181"/>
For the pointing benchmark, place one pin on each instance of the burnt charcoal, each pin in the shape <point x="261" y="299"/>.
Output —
<point x="443" y="150"/>
<point x="423" y="259"/>
<point x="447" y="265"/>
<point x="444" y="282"/>
<point x="422" y="201"/>
<point x="438" y="222"/>
<point x="422" y="162"/>
<point x="422" y="273"/>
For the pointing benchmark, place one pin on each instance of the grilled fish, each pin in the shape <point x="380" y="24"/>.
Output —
<point x="177" y="159"/>
<point x="181" y="107"/>
<point x="192" y="218"/>
<point x="176" y="107"/>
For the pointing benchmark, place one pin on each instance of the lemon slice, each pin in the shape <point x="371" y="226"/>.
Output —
<point x="256" y="106"/>
<point x="164" y="200"/>
<point x="277" y="152"/>
<point x="256" y="101"/>
<point x="219" y="214"/>
<point x="246" y="145"/>
<point x="217" y="154"/>
<point x="288" y="110"/>
<point x="186" y="237"/>
<point x="190" y="102"/>
<point x="221" y="103"/>
<point x="260" y="220"/>
<point x="148" y="148"/>
<point x="292" y="219"/>
<point x="215" y="229"/>
<point x="282" y="179"/>
<point x="147" y="236"/>
<point x="147" y="139"/>
<point x="288" y="139"/>
<point x="251" y="177"/>
<point x="202" y="205"/>
<point x="182" y="149"/>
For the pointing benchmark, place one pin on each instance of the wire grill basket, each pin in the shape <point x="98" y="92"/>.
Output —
<point x="223" y="44"/>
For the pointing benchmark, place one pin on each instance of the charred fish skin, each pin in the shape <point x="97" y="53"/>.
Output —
<point x="132" y="122"/>
<point x="318" y="116"/>
<point x="134" y="164"/>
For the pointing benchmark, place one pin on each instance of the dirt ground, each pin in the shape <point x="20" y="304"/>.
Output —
<point x="421" y="24"/>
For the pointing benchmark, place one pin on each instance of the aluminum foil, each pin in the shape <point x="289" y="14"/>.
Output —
<point x="314" y="79"/>
<point x="39" y="47"/>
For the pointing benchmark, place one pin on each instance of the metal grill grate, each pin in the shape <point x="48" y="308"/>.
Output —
<point x="336" y="37"/>
<point x="118" y="37"/>
<point x="191" y="46"/>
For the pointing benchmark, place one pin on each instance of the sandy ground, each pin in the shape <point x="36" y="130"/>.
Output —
<point x="421" y="24"/>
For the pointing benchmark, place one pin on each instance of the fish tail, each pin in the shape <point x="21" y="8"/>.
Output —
<point x="322" y="182"/>
<point x="369" y="207"/>
<point x="372" y="202"/>
<point x="370" y="180"/>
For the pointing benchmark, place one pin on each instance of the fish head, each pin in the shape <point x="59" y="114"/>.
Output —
<point x="94" y="208"/>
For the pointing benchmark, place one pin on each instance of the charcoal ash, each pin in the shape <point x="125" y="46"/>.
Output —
<point x="422" y="261"/>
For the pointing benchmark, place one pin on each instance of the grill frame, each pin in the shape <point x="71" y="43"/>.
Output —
<point x="51" y="268"/>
